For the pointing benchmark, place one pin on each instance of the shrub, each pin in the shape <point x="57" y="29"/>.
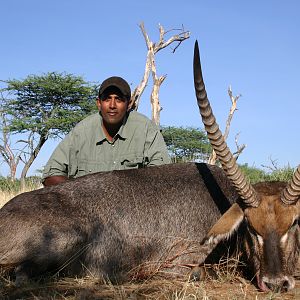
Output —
<point x="282" y="174"/>
<point x="254" y="174"/>
<point x="257" y="175"/>
<point x="7" y="185"/>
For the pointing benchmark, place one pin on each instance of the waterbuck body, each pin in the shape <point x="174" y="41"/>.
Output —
<point x="118" y="224"/>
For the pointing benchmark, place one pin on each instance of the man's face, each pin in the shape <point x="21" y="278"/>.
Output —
<point x="113" y="107"/>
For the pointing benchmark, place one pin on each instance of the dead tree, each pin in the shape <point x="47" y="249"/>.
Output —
<point x="152" y="49"/>
<point x="212" y="159"/>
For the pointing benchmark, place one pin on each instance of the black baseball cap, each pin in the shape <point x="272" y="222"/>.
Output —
<point x="117" y="82"/>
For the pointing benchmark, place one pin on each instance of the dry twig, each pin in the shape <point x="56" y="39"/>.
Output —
<point x="213" y="157"/>
<point x="152" y="49"/>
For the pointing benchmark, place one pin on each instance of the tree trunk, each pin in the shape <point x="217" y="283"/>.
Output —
<point x="33" y="155"/>
<point x="153" y="48"/>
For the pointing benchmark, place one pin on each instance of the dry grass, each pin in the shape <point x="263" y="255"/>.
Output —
<point x="92" y="288"/>
<point x="224" y="282"/>
<point x="5" y="196"/>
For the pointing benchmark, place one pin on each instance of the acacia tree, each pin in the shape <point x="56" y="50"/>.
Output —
<point x="43" y="107"/>
<point x="186" y="144"/>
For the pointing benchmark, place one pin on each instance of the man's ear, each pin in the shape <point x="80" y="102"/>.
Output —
<point x="129" y="107"/>
<point x="98" y="103"/>
<point x="225" y="226"/>
<point x="131" y="104"/>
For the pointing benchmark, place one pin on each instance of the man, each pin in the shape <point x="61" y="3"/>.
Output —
<point x="113" y="139"/>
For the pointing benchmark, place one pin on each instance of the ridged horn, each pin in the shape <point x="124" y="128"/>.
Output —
<point x="231" y="168"/>
<point x="291" y="194"/>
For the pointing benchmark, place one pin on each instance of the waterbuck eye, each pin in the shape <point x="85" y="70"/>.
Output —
<point x="284" y="238"/>
<point x="293" y="226"/>
<point x="295" y="223"/>
<point x="252" y="231"/>
<point x="260" y="239"/>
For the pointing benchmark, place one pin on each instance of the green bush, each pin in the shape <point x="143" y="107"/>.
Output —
<point x="7" y="185"/>
<point x="257" y="175"/>
<point x="283" y="174"/>
<point x="254" y="174"/>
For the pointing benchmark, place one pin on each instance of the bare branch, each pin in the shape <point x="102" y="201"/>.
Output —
<point x="232" y="110"/>
<point x="138" y="91"/>
<point x="183" y="35"/>
<point x="147" y="39"/>
<point x="274" y="165"/>
<point x="240" y="148"/>
<point x="213" y="157"/>
<point x="152" y="49"/>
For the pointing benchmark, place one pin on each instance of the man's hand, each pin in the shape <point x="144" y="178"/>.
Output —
<point x="54" y="180"/>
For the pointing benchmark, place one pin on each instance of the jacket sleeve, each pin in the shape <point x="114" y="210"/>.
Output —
<point x="59" y="162"/>
<point x="156" y="152"/>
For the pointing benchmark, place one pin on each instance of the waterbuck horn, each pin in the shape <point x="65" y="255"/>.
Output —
<point x="229" y="164"/>
<point x="291" y="194"/>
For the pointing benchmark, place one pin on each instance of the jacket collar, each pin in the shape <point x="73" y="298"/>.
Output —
<point x="122" y="133"/>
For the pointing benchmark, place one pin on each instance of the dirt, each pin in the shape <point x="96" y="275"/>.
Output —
<point x="92" y="289"/>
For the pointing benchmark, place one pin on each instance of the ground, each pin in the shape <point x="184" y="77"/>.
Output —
<point x="223" y="287"/>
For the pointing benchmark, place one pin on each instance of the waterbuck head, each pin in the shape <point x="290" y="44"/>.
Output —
<point x="270" y="210"/>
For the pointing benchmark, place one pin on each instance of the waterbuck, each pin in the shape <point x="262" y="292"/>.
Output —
<point x="119" y="225"/>
<point x="133" y="223"/>
<point x="270" y="210"/>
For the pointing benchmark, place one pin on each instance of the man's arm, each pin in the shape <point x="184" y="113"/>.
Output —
<point x="56" y="169"/>
<point x="54" y="180"/>
<point x="155" y="147"/>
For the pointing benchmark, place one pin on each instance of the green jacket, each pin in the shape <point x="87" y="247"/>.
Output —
<point x="86" y="150"/>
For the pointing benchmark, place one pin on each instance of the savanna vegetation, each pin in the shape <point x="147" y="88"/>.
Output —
<point x="38" y="108"/>
<point x="47" y="106"/>
<point x="225" y="282"/>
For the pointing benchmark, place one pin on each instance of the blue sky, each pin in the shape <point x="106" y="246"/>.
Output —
<point x="253" y="46"/>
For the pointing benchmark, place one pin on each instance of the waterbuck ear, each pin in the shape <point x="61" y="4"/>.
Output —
<point x="225" y="226"/>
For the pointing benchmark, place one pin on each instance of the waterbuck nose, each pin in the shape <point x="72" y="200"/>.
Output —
<point x="279" y="284"/>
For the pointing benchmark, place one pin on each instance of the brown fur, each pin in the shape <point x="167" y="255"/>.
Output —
<point x="118" y="225"/>
<point x="271" y="240"/>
